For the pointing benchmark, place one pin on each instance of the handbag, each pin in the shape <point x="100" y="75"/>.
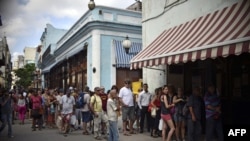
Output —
<point x="153" y="112"/>
<point x="172" y="110"/>
<point x="150" y="106"/>
<point x="160" y="124"/>
<point x="41" y="110"/>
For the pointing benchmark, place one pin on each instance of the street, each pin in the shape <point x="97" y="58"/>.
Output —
<point x="24" y="133"/>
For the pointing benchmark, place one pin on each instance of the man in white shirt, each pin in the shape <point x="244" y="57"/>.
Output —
<point x="144" y="100"/>
<point x="67" y="104"/>
<point x="128" y="110"/>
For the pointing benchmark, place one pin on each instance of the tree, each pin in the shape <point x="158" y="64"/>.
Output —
<point x="25" y="75"/>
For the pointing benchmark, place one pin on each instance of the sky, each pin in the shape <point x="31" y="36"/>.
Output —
<point x="24" y="20"/>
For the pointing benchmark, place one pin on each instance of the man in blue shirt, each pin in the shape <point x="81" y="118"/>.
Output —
<point x="213" y="112"/>
<point x="194" y="104"/>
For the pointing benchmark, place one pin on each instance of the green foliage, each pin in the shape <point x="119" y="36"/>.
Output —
<point x="25" y="75"/>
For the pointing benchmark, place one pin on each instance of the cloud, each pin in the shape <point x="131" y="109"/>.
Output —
<point x="24" y="20"/>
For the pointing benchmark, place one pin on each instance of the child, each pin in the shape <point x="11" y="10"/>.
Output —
<point x="112" y="116"/>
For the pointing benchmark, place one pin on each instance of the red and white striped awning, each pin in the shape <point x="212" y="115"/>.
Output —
<point x="221" y="33"/>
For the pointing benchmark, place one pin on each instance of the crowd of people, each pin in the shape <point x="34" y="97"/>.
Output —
<point x="166" y="113"/>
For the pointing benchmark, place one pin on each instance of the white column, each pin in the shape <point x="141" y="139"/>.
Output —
<point x="96" y="58"/>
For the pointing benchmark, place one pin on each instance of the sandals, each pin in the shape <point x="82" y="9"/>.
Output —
<point x="126" y="134"/>
<point x="85" y="133"/>
<point x="98" y="138"/>
<point x="132" y="132"/>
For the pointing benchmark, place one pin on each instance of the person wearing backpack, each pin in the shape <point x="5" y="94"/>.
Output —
<point x="85" y="110"/>
<point x="79" y="97"/>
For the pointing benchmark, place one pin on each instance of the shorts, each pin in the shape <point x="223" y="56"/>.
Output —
<point x="35" y="114"/>
<point x="87" y="116"/>
<point x="166" y="117"/>
<point x="66" y="118"/>
<point x="128" y="113"/>
<point x="179" y="118"/>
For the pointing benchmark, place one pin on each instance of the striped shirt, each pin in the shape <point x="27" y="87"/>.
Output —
<point x="212" y="100"/>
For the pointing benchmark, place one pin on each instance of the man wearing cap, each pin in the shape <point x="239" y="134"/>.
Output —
<point x="128" y="111"/>
<point x="99" y="116"/>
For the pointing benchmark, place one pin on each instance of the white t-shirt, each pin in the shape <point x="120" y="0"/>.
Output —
<point x="21" y="102"/>
<point x="87" y="101"/>
<point x="127" y="96"/>
<point x="67" y="104"/>
<point x="58" y="98"/>
<point x="111" y="110"/>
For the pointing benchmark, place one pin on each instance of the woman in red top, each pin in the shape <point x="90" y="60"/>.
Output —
<point x="156" y="103"/>
<point x="36" y="101"/>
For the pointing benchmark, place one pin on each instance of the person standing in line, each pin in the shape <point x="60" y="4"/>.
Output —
<point x="51" y="109"/>
<point x="194" y="104"/>
<point x="36" y="102"/>
<point x="144" y="100"/>
<point x="67" y="106"/>
<point x="21" y="103"/>
<point x="165" y="113"/>
<point x="156" y="103"/>
<point x="76" y="94"/>
<point x="6" y="112"/>
<point x="112" y="109"/>
<point x="128" y="109"/>
<point x="45" y="96"/>
<point x="86" y="114"/>
<point x="179" y="101"/>
<point x="58" y="99"/>
<point x="104" y="98"/>
<point x="136" y="125"/>
<point x="99" y="116"/>
<point x="213" y="114"/>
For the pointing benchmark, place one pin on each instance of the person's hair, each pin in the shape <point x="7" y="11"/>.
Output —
<point x="96" y="88"/>
<point x="171" y="88"/>
<point x="86" y="89"/>
<point x="127" y="81"/>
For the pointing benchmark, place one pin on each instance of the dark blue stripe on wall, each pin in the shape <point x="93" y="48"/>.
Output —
<point x="122" y="58"/>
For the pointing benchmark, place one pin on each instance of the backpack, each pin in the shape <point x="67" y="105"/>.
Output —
<point x="80" y="102"/>
<point x="185" y="110"/>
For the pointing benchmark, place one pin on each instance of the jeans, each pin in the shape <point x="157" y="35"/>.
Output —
<point x="214" y="126"/>
<point x="7" y="119"/>
<point x="194" y="130"/>
<point x="113" y="131"/>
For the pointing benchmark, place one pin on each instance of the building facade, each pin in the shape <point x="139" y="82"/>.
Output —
<point x="29" y="55"/>
<point x="89" y="52"/>
<point x="5" y="64"/>
<point x="195" y="43"/>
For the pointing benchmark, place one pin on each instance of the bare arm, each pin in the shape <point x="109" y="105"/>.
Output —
<point x="153" y="100"/>
<point x="166" y="102"/>
<point x="176" y="100"/>
<point x="121" y="101"/>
